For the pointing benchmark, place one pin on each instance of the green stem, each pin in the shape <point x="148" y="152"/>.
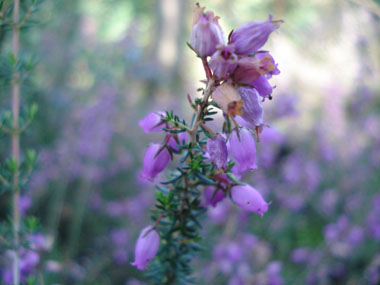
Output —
<point x="77" y="219"/>
<point x="180" y="125"/>
<point x="177" y="215"/>
<point x="56" y="209"/>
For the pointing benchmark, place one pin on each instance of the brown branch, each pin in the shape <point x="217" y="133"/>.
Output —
<point x="3" y="240"/>
<point x="28" y="14"/>
<point x="3" y="180"/>
<point x="201" y="107"/>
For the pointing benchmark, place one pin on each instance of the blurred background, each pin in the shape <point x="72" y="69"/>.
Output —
<point x="104" y="64"/>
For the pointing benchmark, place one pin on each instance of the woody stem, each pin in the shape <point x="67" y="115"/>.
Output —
<point x="201" y="107"/>
<point x="15" y="152"/>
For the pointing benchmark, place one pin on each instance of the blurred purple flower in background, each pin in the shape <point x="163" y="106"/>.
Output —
<point x="25" y="204"/>
<point x="87" y="136"/>
<point x="29" y="258"/>
<point x="119" y="240"/>
<point x="342" y="237"/>
<point x="301" y="255"/>
<point x="219" y="213"/>
<point x="373" y="218"/>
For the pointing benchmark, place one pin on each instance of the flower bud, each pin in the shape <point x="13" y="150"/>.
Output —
<point x="243" y="150"/>
<point x="248" y="198"/>
<point x="182" y="139"/>
<point x="153" y="164"/>
<point x="228" y="99"/>
<point x="263" y="87"/>
<point x="213" y="196"/>
<point x="251" y="36"/>
<point x="151" y="122"/>
<point x="146" y="248"/>
<point x="223" y="61"/>
<point x="206" y="33"/>
<point x="253" y="111"/>
<point x="217" y="149"/>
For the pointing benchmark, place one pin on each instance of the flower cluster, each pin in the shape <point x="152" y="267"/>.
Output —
<point x="237" y="74"/>
<point x="238" y="60"/>
<point x="245" y="259"/>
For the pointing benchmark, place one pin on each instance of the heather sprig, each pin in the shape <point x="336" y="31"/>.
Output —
<point x="211" y="163"/>
<point x="15" y="171"/>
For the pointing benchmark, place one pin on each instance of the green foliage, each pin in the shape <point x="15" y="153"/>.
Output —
<point x="12" y="164"/>
<point x="178" y="205"/>
<point x="27" y="14"/>
<point x="31" y="224"/>
<point x="10" y="65"/>
<point x="15" y="68"/>
<point x="177" y="211"/>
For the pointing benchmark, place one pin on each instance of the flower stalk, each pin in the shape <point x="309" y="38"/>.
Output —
<point x="193" y="131"/>
<point x="15" y="141"/>
<point x="15" y="172"/>
<point x="212" y="162"/>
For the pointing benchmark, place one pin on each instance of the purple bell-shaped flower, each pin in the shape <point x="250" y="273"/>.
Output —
<point x="251" y="36"/>
<point x="217" y="149"/>
<point x="253" y="111"/>
<point x="146" y="248"/>
<point x="223" y="61"/>
<point x="243" y="150"/>
<point x="206" y="34"/>
<point x="153" y="164"/>
<point x="249" y="199"/>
